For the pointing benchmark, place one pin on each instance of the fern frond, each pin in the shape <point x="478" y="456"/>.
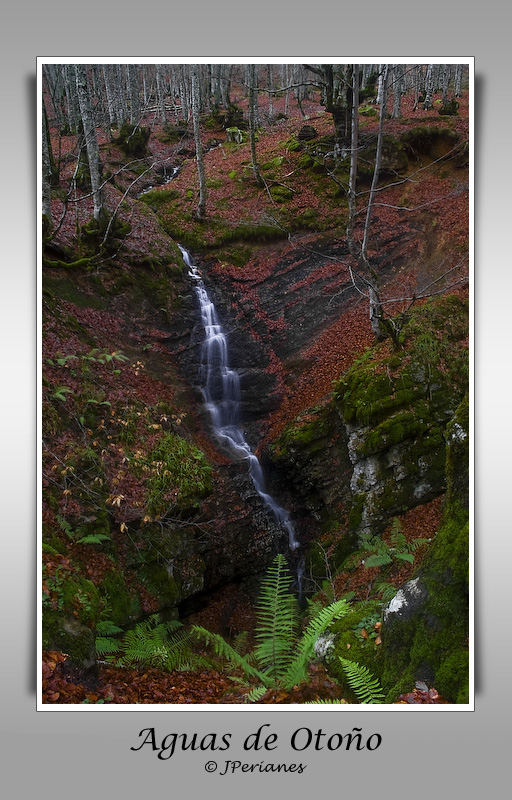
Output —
<point x="323" y="702"/>
<point x="378" y="560"/>
<point x="405" y="557"/>
<point x="386" y="590"/>
<point x="297" y="670"/>
<point x="416" y="543"/>
<point x="240" y="642"/>
<point x="365" y="686"/>
<point x="224" y="650"/>
<point x="106" y="627"/>
<point x="277" y="613"/>
<point x="106" y="646"/>
<point x="255" y="695"/>
<point x="159" y="644"/>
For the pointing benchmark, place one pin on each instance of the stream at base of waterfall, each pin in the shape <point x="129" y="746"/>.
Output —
<point x="220" y="385"/>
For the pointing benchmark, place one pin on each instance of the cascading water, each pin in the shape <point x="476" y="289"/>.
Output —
<point x="221" y="393"/>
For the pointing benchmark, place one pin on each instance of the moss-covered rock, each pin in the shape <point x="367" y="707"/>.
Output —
<point x="354" y="637"/>
<point x="426" y="626"/>
<point x="133" y="140"/>
<point x="396" y="406"/>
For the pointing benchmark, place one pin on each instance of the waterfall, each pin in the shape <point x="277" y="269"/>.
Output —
<point x="220" y="386"/>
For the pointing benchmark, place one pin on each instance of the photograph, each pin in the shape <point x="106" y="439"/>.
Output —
<point x="255" y="387"/>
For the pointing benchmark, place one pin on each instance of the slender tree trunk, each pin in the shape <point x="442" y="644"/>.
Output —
<point x="285" y="79"/>
<point x="366" y="272"/>
<point x="120" y="94"/>
<point x="70" y="89"/>
<point x="160" y="94"/>
<point x="398" y="88"/>
<point x="270" y="87"/>
<point x="458" y="80"/>
<point x="133" y="87"/>
<point x="445" y="83"/>
<point x="110" y="91"/>
<point x="417" y="80"/>
<point x="252" y="123"/>
<point x="352" y="204"/>
<point x="91" y="142"/>
<point x="376" y="312"/>
<point x="224" y="80"/>
<point x="46" y="170"/>
<point x="184" y="94"/>
<point x="54" y="170"/>
<point x="201" y="208"/>
<point x="429" y="87"/>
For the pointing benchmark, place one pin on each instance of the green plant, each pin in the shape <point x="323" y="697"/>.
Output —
<point x="89" y="538"/>
<point x="365" y="686"/>
<point x="60" y="393"/>
<point x="381" y="553"/>
<point x="282" y="652"/>
<point x="324" y="702"/>
<point x="152" y="643"/>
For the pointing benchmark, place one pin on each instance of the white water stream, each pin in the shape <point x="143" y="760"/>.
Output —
<point x="221" y="393"/>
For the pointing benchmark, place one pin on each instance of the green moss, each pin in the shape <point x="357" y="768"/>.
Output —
<point x="179" y="475"/>
<point x="133" y="140"/>
<point x="432" y="644"/>
<point x="368" y="111"/>
<point x="348" y="643"/>
<point x="431" y="140"/>
<point x="68" y="635"/>
<point x="281" y="193"/>
<point x="160" y="583"/>
<point x="119" y="603"/>
<point x="80" y="596"/>
<point x="159" y="198"/>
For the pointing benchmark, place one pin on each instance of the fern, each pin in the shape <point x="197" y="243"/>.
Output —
<point x="225" y="651"/>
<point x="106" y="646"/>
<point x="255" y="695"/>
<point x="151" y="643"/>
<point x="277" y="613"/>
<point x="282" y="654"/>
<point x="364" y="685"/>
<point x="323" y="702"/>
<point x="297" y="671"/>
<point x="94" y="538"/>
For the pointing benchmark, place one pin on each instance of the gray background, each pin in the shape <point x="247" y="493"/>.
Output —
<point x="85" y="753"/>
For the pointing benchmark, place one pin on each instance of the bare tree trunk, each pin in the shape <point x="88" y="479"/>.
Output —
<point x="91" y="142"/>
<point x="46" y="178"/>
<point x="110" y="92"/>
<point x="429" y="87"/>
<point x="55" y="85"/>
<point x="252" y="123"/>
<point x="417" y="81"/>
<point x="352" y="205"/>
<point x="285" y="79"/>
<point x="185" y="104"/>
<point x="376" y="312"/>
<point x="270" y="87"/>
<point x="133" y="87"/>
<point x="201" y="208"/>
<point x="160" y="94"/>
<point x="458" y="80"/>
<point x="398" y="88"/>
<point x="225" y="81"/>
<point x="445" y="82"/>
<point x="70" y="89"/>
<point x="360" y="252"/>
<point x="120" y="94"/>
